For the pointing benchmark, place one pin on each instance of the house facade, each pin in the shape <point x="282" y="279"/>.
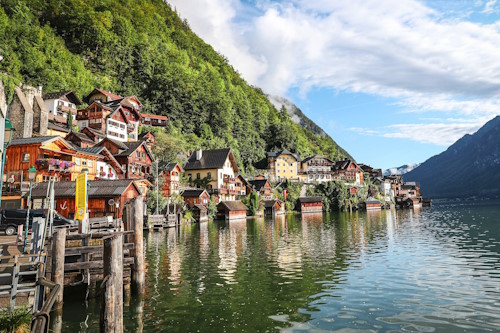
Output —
<point x="317" y="169"/>
<point x="194" y="197"/>
<point x="263" y="187"/>
<point x="171" y="176"/>
<point x="215" y="171"/>
<point x="62" y="103"/>
<point x="135" y="158"/>
<point x="154" y="120"/>
<point x="283" y="165"/>
<point x="348" y="171"/>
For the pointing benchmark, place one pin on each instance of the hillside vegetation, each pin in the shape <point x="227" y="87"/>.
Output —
<point x="142" y="48"/>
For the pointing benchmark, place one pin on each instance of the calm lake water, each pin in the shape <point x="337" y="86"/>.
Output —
<point x="429" y="270"/>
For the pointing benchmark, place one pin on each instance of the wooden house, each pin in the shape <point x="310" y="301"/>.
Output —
<point x="370" y="171"/>
<point x="283" y="165"/>
<point x="170" y="173"/>
<point x="200" y="213"/>
<point x="149" y="138"/>
<point x="263" y="187"/>
<point x="105" y="197"/>
<point x="274" y="207"/>
<point x="316" y="169"/>
<point x="348" y="171"/>
<point x="310" y="204"/>
<point x="80" y="140"/>
<point x="134" y="157"/>
<point x="372" y="204"/>
<point x="214" y="170"/>
<point x="195" y="197"/>
<point x="95" y="135"/>
<point x="242" y="186"/>
<point x="107" y="117"/>
<point x="232" y="210"/>
<point x="154" y="120"/>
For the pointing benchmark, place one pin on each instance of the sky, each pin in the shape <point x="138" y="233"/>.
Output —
<point x="393" y="81"/>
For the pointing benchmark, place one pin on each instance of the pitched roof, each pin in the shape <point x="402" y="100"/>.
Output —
<point x="132" y="146"/>
<point x="170" y="166"/>
<point x="155" y="116"/>
<point x="284" y="151"/>
<point x="117" y="143"/>
<point x="81" y="136"/>
<point x="307" y="159"/>
<point x="33" y="140"/>
<point x="344" y="164"/>
<point x="310" y="199"/>
<point x="232" y="205"/>
<point x="193" y="193"/>
<point x="56" y="127"/>
<point x="104" y="92"/>
<point x="210" y="159"/>
<point x="271" y="203"/>
<point x="257" y="184"/>
<point x="93" y="150"/>
<point x="95" y="132"/>
<point x="69" y="94"/>
<point x="96" y="189"/>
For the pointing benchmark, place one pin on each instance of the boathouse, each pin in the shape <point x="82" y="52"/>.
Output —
<point x="232" y="210"/>
<point x="106" y="197"/>
<point x="200" y="213"/>
<point x="310" y="204"/>
<point x="372" y="204"/>
<point x="274" y="207"/>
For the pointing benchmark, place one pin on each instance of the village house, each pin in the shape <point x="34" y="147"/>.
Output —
<point x="385" y="189"/>
<point x="135" y="158"/>
<point x="51" y="156"/>
<point x="317" y="169"/>
<point x="242" y="186"/>
<point x="283" y="165"/>
<point x="232" y="210"/>
<point x="149" y="138"/>
<point x="105" y="197"/>
<point x="408" y="195"/>
<point x="95" y="135"/>
<point x="263" y="187"/>
<point x="373" y="173"/>
<point x="200" y="213"/>
<point x="62" y="103"/>
<point x="170" y="176"/>
<point x="80" y="140"/>
<point x="310" y="204"/>
<point x="195" y="197"/>
<point x="348" y="171"/>
<point x="215" y="171"/>
<point x="372" y="204"/>
<point x="108" y="168"/>
<point x="154" y="120"/>
<point x="54" y="129"/>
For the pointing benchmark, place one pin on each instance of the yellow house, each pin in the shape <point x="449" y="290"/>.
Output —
<point x="283" y="165"/>
<point x="215" y="170"/>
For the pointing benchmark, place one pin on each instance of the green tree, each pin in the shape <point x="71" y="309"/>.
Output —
<point x="69" y="121"/>
<point x="212" y="208"/>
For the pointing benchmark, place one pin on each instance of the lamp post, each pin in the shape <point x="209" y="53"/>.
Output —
<point x="31" y="177"/>
<point x="8" y="129"/>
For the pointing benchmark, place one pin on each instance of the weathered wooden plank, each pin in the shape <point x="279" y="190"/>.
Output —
<point x="111" y="317"/>
<point x="15" y="279"/>
<point x="58" y="266"/>
<point x="75" y="250"/>
<point x="95" y="235"/>
<point x="92" y="264"/>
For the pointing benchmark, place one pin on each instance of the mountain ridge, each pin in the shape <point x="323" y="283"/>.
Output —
<point x="469" y="167"/>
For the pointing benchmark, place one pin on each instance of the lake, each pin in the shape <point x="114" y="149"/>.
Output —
<point x="427" y="270"/>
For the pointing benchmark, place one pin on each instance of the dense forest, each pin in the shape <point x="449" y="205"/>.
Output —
<point x="143" y="48"/>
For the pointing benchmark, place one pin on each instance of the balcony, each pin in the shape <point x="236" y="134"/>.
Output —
<point x="233" y="192"/>
<point x="66" y="109"/>
<point x="53" y="164"/>
<point x="223" y="190"/>
<point x="228" y="179"/>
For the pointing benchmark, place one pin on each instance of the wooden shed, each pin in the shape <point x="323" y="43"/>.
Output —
<point x="200" y="213"/>
<point x="310" y="204"/>
<point x="106" y="197"/>
<point x="274" y="207"/>
<point x="232" y="210"/>
<point x="372" y="204"/>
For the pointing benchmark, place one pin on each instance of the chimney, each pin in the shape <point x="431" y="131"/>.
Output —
<point x="199" y="153"/>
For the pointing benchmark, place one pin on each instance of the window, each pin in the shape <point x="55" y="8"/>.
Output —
<point x="209" y="175"/>
<point x="84" y="161"/>
<point x="77" y="161"/>
<point x="26" y="157"/>
<point x="198" y="176"/>
<point x="90" y="163"/>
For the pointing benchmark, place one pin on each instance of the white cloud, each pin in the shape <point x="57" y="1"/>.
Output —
<point x="489" y="7"/>
<point x="441" y="134"/>
<point x="400" y="49"/>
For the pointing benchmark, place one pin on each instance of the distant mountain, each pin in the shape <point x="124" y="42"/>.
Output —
<point x="300" y="118"/>
<point x="469" y="167"/>
<point x="401" y="170"/>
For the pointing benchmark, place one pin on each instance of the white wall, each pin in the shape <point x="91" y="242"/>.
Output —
<point x="105" y="167"/>
<point x="116" y="130"/>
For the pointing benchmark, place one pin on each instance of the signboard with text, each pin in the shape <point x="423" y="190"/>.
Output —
<point x="81" y="196"/>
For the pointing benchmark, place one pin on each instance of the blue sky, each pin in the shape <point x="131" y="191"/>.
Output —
<point x="393" y="81"/>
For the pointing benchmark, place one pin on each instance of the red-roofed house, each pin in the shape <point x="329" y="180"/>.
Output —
<point x="154" y="120"/>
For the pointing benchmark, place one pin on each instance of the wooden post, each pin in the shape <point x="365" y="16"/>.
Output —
<point x="138" y="278"/>
<point x="58" y="252"/>
<point x="111" y="319"/>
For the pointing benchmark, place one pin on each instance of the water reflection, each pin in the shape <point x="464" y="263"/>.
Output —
<point x="410" y="270"/>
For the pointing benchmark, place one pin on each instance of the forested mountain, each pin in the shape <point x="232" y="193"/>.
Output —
<point x="469" y="167"/>
<point x="142" y="48"/>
